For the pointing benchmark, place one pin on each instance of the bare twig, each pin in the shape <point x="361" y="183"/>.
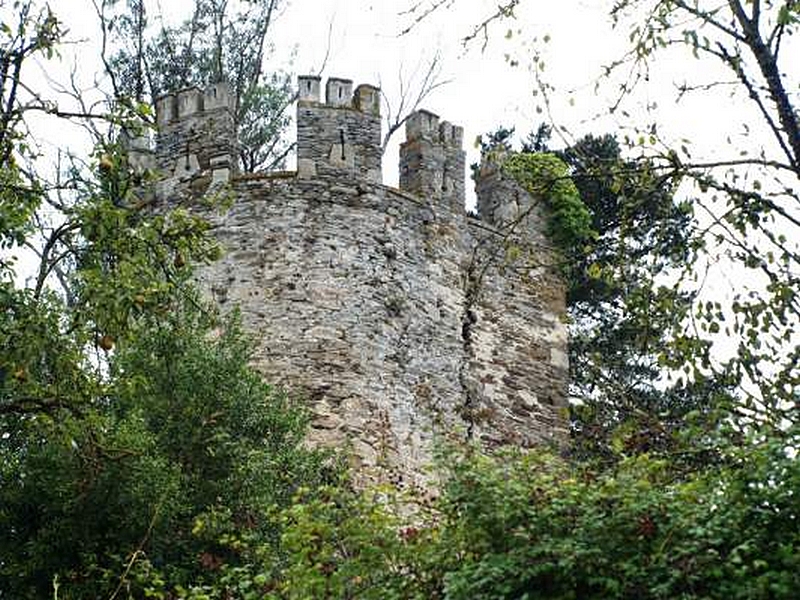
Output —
<point x="411" y="99"/>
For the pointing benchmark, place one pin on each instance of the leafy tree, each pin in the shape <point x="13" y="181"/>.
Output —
<point x="34" y="32"/>
<point x="746" y="194"/>
<point x="624" y="239"/>
<point x="177" y="462"/>
<point x="625" y="311"/>
<point x="220" y="40"/>
<point x="744" y="197"/>
<point x="349" y="544"/>
<point x="133" y="436"/>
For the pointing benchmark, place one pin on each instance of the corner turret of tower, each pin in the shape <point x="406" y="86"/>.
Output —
<point x="342" y="135"/>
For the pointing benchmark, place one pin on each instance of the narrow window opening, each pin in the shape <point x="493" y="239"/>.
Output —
<point x="340" y="93"/>
<point x="341" y="137"/>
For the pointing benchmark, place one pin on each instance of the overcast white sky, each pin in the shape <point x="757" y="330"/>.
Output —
<point x="484" y="89"/>
<point x="361" y="41"/>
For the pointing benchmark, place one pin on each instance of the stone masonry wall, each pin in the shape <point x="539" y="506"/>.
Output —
<point x="354" y="295"/>
<point x="399" y="319"/>
<point x="519" y="336"/>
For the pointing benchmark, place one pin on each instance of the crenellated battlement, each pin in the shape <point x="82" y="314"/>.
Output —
<point x="503" y="202"/>
<point x="338" y="136"/>
<point x="339" y="93"/>
<point x="193" y="101"/>
<point x="425" y="124"/>
<point x="196" y="131"/>
<point x="342" y="135"/>
<point x="432" y="159"/>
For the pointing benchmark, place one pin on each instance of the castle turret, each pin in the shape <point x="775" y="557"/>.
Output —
<point x="432" y="159"/>
<point x="399" y="319"/>
<point x="342" y="136"/>
<point x="502" y="201"/>
<point x="196" y="132"/>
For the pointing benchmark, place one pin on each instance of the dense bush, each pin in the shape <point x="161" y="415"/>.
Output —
<point x="534" y="526"/>
<point x="172" y="471"/>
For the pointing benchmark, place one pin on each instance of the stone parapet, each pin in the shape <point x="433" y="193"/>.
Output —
<point x="341" y="136"/>
<point x="195" y="127"/>
<point x="432" y="160"/>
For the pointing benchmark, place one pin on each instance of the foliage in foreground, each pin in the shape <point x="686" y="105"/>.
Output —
<point x="184" y="453"/>
<point x="134" y="437"/>
<point x="533" y="526"/>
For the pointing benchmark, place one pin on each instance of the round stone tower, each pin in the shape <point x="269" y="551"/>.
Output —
<point x="400" y="320"/>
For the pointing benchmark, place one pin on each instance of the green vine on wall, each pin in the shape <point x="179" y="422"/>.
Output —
<point x="546" y="177"/>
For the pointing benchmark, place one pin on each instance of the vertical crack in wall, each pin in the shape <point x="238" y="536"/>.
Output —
<point x="469" y="317"/>
<point x="485" y="254"/>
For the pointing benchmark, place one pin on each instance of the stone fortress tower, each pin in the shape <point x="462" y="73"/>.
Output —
<point x="399" y="318"/>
